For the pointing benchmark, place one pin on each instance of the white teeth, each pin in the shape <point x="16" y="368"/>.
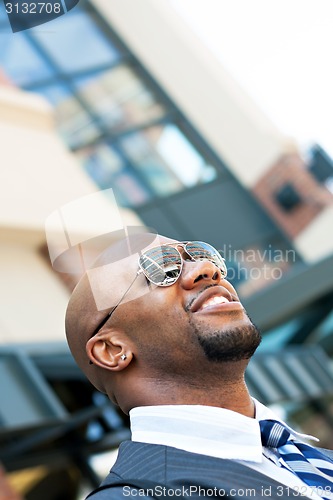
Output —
<point x="214" y="300"/>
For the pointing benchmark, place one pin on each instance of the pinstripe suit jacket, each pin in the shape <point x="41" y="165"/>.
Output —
<point x="178" y="469"/>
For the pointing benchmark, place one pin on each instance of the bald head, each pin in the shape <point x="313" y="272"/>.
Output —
<point x="101" y="288"/>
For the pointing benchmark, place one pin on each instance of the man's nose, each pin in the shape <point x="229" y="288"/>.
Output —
<point x="194" y="272"/>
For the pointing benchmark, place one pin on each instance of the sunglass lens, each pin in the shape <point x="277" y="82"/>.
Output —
<point x="203" y="251"/>
<point x="161" y="265"/>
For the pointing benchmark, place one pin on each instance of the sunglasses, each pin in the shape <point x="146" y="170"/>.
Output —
<point x="163" y="265"/>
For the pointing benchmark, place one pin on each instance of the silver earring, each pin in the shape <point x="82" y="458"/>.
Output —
<point x="123" y="357"/>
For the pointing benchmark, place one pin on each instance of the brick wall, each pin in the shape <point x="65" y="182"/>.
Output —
<point x="291" y="169"/>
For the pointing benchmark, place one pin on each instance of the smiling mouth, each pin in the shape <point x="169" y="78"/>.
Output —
<point x="213" y="301"/>
<point x="217" y="304"/>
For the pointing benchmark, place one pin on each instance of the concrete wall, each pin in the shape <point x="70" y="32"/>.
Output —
<point x="37" y="176"/>
<point x="33" y="299"/>
<point x="316" y="241"/>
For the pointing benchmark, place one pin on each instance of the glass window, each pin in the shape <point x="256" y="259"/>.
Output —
<point x="166" y="159"/>
<point x="183" y="158"/>
<point x="129" y="190"/>
<point x="120" y="98"/>
<point x="55" y="94"/>
<point x="102" y="163"/>
<point x="20" y="61"/>
<point x="156" y="160"/>
<point x="3" y="15"/>
<point x="107" y="169"/>
<point x="93" y="49"/>
<point x="74" y="124"/>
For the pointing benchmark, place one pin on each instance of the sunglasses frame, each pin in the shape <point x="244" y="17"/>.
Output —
<point x="175" y="246"/>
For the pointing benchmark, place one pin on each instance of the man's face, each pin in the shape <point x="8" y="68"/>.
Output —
<point x="198" y="317"/>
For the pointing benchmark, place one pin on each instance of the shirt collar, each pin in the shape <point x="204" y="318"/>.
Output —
<point x="207" y="430"/>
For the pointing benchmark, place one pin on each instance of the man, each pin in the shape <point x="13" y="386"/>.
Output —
<point x="171" y="350"/>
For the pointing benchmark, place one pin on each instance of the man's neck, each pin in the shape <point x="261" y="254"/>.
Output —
<point x="233" y="396"/>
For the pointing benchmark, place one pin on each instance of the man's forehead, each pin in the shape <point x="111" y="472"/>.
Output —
<point x="129" y="249"/>
<point x="117" y="267"/>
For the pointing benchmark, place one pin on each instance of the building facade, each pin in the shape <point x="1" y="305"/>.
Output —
<point x="140" y="106"/>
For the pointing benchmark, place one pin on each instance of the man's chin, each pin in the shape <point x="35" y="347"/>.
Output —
<point x="233" y="344"/>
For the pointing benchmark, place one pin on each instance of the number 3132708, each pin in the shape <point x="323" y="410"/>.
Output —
<point x="33" y="8"/>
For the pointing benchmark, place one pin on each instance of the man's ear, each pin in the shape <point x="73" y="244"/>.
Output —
<point x="110" y="350"/>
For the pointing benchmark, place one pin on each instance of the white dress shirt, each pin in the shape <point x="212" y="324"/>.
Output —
<point x="216" y="432"/>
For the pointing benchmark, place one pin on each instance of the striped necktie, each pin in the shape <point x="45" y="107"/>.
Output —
<point x="309" y="464"/>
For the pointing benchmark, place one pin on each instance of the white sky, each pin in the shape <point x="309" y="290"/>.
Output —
<point x="281" y="52"/>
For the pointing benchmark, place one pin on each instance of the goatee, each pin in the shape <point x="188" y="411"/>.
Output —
<point x="235" y="344"/>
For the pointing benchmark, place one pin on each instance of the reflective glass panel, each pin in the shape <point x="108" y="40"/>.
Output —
<point x="55" y="94"/>
<point x="3" y="15"/>
<point x="61" y="42"/>
<point x="166" y="158"/>
<point x="102" y="163"/>
<point x="73" y="122"/>
<point x="75" y="125"/>
<point x="106" y="168"/>
<point x="120" y="98"/>
<point x="129" y="190"/>
<point x="20" y="61"/>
